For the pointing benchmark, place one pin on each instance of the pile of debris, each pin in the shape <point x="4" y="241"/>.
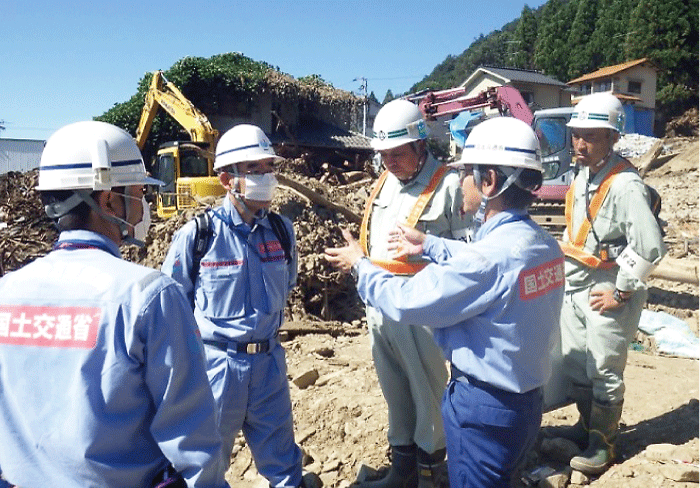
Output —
<point x="26" y="233"/>
<point x="319" y="205"/>
<point x="685" y="125"/>
<point x="318" y="212"/>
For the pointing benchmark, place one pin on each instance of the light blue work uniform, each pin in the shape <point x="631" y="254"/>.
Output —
<point x="239" y="298"/>
<point x="594" y="344"/>
<point x="102" y="374"/>
<point x="494" y="307"/>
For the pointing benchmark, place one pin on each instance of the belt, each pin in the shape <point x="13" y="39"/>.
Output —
<point x="459" y="375"/>
<point x="253" y="347"/>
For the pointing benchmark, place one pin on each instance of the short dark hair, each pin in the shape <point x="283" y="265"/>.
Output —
<point x="520" y="194"/>
<point x="77" y="217"/>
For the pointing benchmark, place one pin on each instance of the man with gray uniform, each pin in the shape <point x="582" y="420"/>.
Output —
<point x="612" y="243"/>
<point x="415" y="190"/>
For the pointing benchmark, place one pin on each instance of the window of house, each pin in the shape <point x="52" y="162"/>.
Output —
<point x="529" y="97"/>
<point x="585" y="89"/>
<point x="603" y="86"/>
<point x="634" y="86"/>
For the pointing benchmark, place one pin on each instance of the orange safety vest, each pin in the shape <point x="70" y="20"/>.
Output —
<point x="574" y="248"/>
<point x="395" y="266"/>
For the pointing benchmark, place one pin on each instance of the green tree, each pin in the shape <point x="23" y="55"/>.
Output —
<point x="581" y="30"/>
<point x="551" y="49"/>
<point x="209" y="83"/>
<point x="315" y="80"/>
<point x="605" y="43"/>
<point x="666" y="32"/>
<point x="388" y="97"/>
<point x="524" y="39"/>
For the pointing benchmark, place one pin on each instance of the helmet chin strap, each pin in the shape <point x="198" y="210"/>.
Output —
<point x="121" y="223"/>
<point x="419" y="167"/>
<point x="480" y="216"/>
<point x="603" y="160"/>
<point x="239" y="198"/>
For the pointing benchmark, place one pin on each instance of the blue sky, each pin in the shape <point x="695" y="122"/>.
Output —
<point x="65" y="61"/>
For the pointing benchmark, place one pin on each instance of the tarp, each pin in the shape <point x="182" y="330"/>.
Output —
<point x="462" y="124"/>
<point x="672" y="335"/>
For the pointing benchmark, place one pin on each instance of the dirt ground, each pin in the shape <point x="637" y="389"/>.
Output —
<point x="341" y="418"/>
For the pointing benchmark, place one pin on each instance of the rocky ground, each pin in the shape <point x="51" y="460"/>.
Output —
<point x="340" y="415"/>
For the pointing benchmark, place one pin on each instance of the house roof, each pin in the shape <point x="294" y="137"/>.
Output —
<point x="316" y="133"/>
<point x="610" y="70"/>
<point x="510" y="75"/>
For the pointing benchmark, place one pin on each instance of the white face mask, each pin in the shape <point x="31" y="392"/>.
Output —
<point x="260" y="187"/>
<point x="141" y="229"/>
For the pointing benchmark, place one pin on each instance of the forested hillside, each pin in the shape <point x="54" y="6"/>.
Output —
<point x="567" y="38"/>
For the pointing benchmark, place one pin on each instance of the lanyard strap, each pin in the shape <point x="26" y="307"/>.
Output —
<point x="73" y="245"/>
<point x="396" y="266"/>
<point x="575" y="247"/>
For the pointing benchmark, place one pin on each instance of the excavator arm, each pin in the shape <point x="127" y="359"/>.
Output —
<point x="163" y="94"/>
<point x="185" y="167"/>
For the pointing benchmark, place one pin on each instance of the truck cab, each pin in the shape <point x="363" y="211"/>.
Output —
<point x="555" y="143"/>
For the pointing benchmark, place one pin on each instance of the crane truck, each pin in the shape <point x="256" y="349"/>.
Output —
<point x="549" y="125"/>
<point x="186" y="167"/>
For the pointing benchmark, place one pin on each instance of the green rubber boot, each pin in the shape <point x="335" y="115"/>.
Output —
<point x="402" y="473"/>
<point x="577" y="433"/>
<point x="600" y="454"/>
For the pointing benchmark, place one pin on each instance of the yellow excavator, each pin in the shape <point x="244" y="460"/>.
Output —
<point x="186" y="167"/>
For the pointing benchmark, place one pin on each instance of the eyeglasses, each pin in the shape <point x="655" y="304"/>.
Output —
<point x="465" y="171"/>
<point x="251" y="168"/>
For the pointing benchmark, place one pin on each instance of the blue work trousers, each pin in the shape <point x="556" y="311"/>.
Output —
<point x="489" y="432"/>
<point x="252" y="394"/>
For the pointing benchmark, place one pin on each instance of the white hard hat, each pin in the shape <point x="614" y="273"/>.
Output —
<point x="502" y="141"/>
<point x="598" y="111"/>
<point x="91" y="155"/>
<point x="244" y="142"/>
<point x="398" y="122"/>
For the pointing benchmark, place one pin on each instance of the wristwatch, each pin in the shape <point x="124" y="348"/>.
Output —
<point x="355" y="269"/>
<point x="621" y="296"/>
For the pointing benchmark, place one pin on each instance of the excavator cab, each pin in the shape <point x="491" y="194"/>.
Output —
<point x="186" y="169"/>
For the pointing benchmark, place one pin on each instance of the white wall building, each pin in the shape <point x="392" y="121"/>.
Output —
<point x="20" y="155"/>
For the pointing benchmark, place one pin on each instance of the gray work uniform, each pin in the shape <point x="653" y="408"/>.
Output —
<point x="594" y="345"/>
<point x="410" y="367"/>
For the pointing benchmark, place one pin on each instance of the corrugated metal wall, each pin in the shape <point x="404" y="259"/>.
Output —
<point x="20" y="155"/>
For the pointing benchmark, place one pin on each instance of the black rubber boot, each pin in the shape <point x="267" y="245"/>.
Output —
<point x="605" y="421"/>
<point x="402" y="473"/>
<point x="431" y="469"/>
<point x="579" y="432"/>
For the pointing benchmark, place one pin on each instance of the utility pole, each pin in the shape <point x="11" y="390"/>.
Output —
<point x="363" y="91"/>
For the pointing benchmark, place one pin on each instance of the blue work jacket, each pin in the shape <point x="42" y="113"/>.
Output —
<point x="494" y="304"/>
<point x="102" y="374"/>
<point x="241" y="288"/>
